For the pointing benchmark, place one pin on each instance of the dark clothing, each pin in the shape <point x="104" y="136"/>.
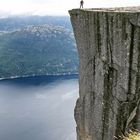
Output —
<point x="81" y="4"/>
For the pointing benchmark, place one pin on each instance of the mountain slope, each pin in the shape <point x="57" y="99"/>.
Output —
<point x="40" y="50"/>
<point x="19" y="22"/>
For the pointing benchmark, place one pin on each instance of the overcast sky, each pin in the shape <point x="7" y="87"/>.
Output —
<point x="55" y="7"/>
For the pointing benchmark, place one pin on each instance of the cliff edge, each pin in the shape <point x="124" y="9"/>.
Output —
<point x="108" y="42"/>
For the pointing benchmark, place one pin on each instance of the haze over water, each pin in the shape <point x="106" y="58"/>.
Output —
<point x="35" y="109"/>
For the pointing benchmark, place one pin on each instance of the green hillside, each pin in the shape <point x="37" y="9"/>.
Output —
<point x="37" y="50"/>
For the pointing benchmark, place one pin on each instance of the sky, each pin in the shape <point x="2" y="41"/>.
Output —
<point x="55" y="7"/>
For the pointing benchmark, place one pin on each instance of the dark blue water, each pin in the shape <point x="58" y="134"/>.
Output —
<point x="38" y="108"/>
<point x="38" y="80"/>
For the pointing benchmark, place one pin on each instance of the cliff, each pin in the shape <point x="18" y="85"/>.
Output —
<point x="108" y="42"/>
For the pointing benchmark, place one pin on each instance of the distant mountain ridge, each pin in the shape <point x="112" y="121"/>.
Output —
<point x="19" y="22"/>
<point x="44" y="49"/>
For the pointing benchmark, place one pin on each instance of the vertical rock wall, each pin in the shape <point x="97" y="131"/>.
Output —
<point x="108" y="43"/>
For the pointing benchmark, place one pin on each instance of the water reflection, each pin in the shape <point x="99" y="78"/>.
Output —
<point x="42" y="112"/>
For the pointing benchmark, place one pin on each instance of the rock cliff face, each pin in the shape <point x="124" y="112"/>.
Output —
<point x="108" y="42"/>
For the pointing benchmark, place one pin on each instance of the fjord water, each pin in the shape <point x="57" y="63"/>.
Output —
<point x="38" y="108"/>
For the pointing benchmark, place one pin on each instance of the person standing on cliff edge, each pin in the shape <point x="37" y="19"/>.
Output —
<point x="81" y="4"/>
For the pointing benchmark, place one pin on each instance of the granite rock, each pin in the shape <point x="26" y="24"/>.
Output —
<point x="108" y="42"/>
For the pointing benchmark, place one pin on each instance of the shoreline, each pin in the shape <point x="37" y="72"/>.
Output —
<point x="33" y="75"/>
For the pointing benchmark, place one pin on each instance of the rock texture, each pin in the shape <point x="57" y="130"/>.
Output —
<point x="108" y="42"/>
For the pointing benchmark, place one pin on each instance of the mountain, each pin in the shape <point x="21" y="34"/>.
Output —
<point x="19" y="22"/>
<point x="37" y="50"/>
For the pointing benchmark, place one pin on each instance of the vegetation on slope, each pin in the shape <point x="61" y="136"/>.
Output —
<point x="40" y="50"/>
<point x="132" y="136"/>
<point x="19" y="22"/>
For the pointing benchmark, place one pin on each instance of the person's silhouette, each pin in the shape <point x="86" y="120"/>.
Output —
<point x="81" y="4"/>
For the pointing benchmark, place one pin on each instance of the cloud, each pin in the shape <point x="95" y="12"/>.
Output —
<point x="57" y="7"/>
<point x="44" y="7"/>
<point x="111" y="3"/>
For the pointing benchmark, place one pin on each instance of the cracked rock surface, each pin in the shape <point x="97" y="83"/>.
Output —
<point x="108" y="42"/>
